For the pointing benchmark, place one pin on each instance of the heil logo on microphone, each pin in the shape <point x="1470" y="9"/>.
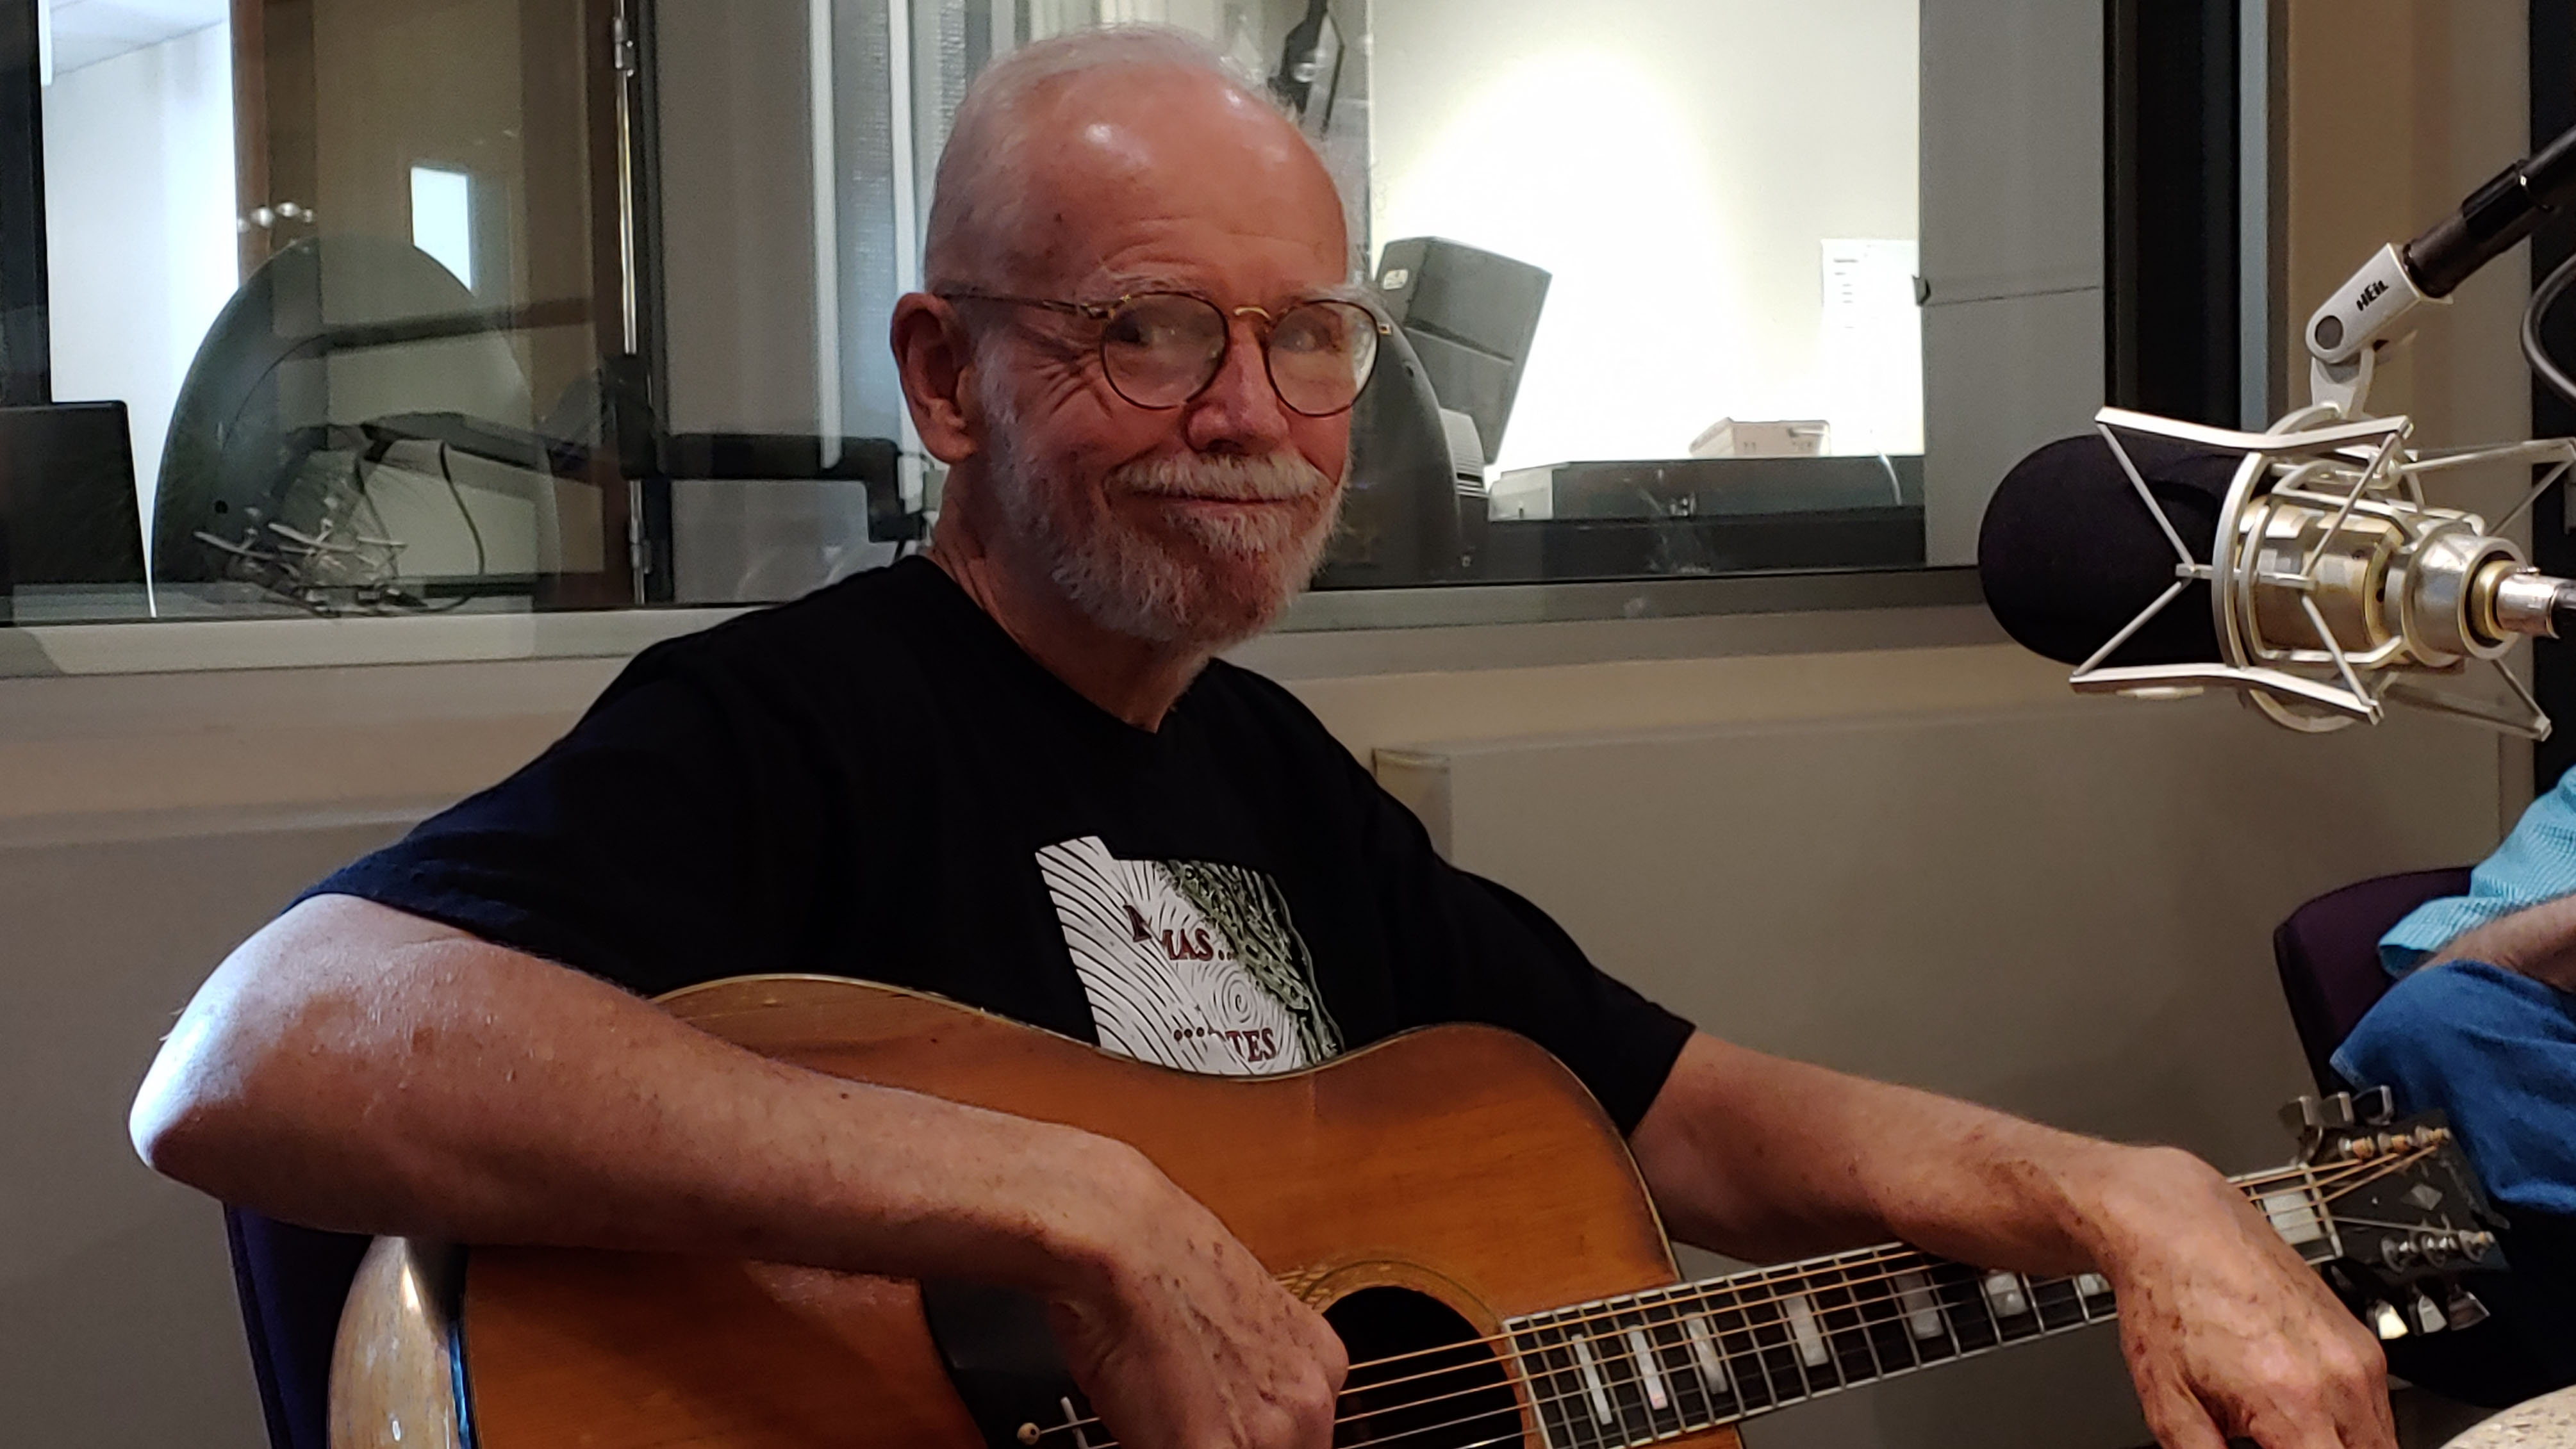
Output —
<point x="2369" y="294"/>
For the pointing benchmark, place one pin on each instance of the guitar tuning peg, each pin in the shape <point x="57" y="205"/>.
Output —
<point x="2465" y="1309"/>
<point x="2374" y="1107"/>
<point x="2384" y="1320"/>
<point x="2428" y="1314"/>
<point x="2314" y="1113"/>
<point x="2315" y="1121"/>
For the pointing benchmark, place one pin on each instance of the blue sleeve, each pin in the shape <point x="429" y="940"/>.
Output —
<point x="2536" y="863"/>
<point x="2495" y="1050"/>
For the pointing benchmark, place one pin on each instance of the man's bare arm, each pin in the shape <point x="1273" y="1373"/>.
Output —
<point x="2537" y="941"/>
<point x="2225" y="1328"/>
<point x="353" y="1067"/>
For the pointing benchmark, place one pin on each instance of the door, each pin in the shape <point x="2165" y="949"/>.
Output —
<point x="451" y="177"/>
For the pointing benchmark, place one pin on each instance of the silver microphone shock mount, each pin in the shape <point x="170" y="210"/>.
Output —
<point x="2335" y="586"/>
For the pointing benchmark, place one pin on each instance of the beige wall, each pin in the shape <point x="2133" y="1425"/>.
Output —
<point x="2395" y="110"/>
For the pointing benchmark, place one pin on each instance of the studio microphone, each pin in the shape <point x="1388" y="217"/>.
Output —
<point x="2302" y="567"/>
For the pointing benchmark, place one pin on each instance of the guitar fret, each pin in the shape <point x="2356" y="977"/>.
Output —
<point x="1630" y="1387"/>
<point x="1643" y="1340"/>
<point x="1739" y="1345"/>
<point x="1847" y="1327"/>
<point x="1704" y="1357"/>
<point x="1904" y="1319"/>
<point x="1860" y="1324"/>
<point x="2094" y="1292"/>
<point x="1800" y="1313"/>
<point x="1618" y="1382"/>
<point x="1637" y="1369"/>
<point x="1595" y="1391"/>
<point x="1963" y="1305"/>
<point x="2007" y="1297"/>
<point x="1692" y="1394"/>
<point x="1556" y="1389"/>
<point x="1584" y="1406"/>
<point x="2058" y="1304"/>
<point x="1778" y="1347"/>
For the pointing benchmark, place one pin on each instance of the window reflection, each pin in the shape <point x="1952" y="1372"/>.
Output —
<point x="512" y="304"/>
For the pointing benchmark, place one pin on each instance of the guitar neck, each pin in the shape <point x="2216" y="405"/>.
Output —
<point x="1632" y="1370"/>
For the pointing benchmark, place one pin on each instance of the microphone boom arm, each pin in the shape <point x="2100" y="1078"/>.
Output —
<point x="2359" y="319"/>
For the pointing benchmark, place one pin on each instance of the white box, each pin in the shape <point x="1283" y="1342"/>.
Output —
<point x="1783" y="438"/>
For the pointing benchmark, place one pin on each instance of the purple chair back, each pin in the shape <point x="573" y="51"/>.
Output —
<point x="292" y="1282"/>
<point x="2328" y="952"/>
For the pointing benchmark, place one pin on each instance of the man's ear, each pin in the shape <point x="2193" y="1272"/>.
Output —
<point x="936" y="360"/>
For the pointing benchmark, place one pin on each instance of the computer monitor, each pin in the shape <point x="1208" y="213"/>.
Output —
<point x="1471" y="315"/>
<point x="67" y="509"/>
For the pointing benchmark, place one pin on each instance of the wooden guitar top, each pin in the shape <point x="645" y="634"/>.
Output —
<point x="1460" y="1162"/>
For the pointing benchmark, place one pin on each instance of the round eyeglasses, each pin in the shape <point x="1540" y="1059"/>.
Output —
<point x="1161" y="349"/>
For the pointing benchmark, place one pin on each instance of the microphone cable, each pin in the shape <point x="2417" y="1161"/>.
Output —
<point x="2543" y="299"/>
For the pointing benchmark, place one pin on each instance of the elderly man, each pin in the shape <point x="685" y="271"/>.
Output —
<point x="1014" y="774"/>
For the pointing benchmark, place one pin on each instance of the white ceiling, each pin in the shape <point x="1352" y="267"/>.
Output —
<point x="89" y="31"/>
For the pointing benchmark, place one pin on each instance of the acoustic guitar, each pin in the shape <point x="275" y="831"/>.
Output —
<point x="1452" y="1199"/>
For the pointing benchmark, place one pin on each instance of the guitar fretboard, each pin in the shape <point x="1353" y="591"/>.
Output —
<point x="1630" y="1371"/>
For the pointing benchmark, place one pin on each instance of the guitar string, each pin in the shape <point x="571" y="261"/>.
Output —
<point x="1861" y="1258"/>
<point x="1616" y="1351"/>
<point x="1784" y="1341"/>
<point x="1752" y="1328"/>
<point x="1618" y="1432"/>
<point x="1812" y="1272"/>
<point x="2370" y="1170"/>
<point x="1859" y="1308"/>
<point x="1608" y="1386"/>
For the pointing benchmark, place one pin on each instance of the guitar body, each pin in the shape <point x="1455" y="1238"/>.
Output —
<point x="1461" y="1165"/>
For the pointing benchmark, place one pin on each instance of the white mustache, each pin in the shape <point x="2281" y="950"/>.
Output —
<point x="1281" y="477"/>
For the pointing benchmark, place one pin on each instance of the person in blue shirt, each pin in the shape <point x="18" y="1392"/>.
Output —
<point x="2481" y="1025"/>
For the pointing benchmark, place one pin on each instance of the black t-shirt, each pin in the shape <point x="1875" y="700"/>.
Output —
<point x="876" y="782"/>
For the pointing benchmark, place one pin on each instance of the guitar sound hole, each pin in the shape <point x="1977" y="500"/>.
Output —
<point x="1419" y="1376"/>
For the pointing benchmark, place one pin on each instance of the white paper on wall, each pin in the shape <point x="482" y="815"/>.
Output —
<point x="1870" y="347"/>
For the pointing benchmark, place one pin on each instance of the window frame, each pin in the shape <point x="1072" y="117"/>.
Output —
<point x="26" y="339"/>
<point x="2134" y="364"/>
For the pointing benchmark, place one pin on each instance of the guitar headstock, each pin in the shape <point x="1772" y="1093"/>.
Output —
<point x="2399" y="1213"/>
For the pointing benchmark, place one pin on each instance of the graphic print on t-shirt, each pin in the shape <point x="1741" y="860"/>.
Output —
<point x="1188" y="964"/>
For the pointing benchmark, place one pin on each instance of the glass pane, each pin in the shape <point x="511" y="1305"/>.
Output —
<point x="511" y="304"/>
<point x="1662" y="254"/>
<point x="346" y="265"/>
<point x="139" y="210"/>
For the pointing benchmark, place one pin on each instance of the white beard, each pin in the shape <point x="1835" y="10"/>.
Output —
<point x="1233" y="574"/>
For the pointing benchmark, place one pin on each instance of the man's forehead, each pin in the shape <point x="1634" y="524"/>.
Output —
<point x="1185" y="253"/>
<point x="1174" y="182"/>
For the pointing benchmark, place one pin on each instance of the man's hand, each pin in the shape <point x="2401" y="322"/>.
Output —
<point x="2227" y="1332"/>
<point x="1183" y="1340"/>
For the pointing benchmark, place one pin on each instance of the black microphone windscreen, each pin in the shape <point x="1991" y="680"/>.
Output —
<point x="2069" y="554"/>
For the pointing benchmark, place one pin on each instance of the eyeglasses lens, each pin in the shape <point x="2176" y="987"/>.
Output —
<point x="1160" y="350"/>
<point x="1321" y="354"/>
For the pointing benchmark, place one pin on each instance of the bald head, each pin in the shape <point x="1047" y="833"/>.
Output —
<point x="1061" y="143"/>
